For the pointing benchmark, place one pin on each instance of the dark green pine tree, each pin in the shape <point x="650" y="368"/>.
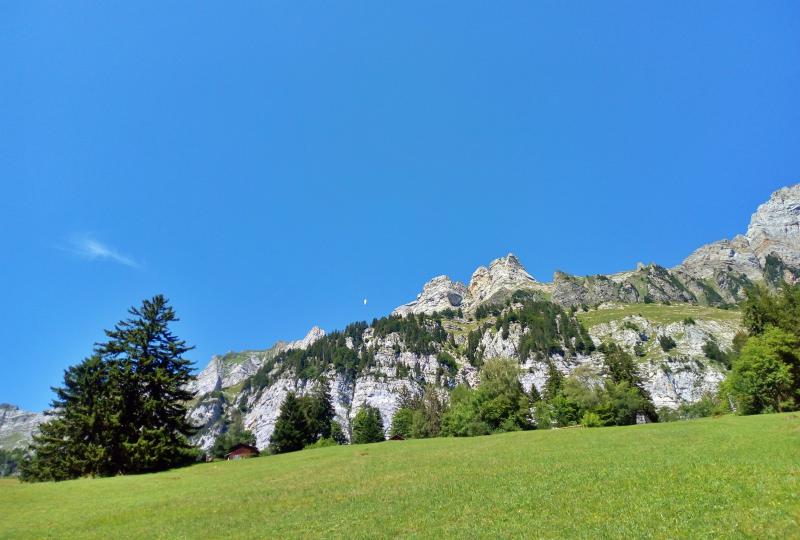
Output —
<point x="80" y="438"/>
<point x="318" y="408"/>
<point x="291" y="427"/>
<point x="368" y="426"/>
<point x="123" y="410"/>
<point x="555" y="381"/>
<point x="150" y="375"/>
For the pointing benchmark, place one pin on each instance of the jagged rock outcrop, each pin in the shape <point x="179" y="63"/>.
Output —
<point x="17" y="427"/>
<point x="775" y="227"/>
<point x="311" y="337"/>
<point x="494" y="283"/>
<point x="772" y="244"/>
<point x="503" y="276"/>
<point x="438" y="294"/>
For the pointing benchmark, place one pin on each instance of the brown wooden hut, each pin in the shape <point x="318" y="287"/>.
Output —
<point x="241" y="451"/>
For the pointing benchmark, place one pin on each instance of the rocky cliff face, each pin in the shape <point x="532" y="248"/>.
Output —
<point x="17" y="426"/>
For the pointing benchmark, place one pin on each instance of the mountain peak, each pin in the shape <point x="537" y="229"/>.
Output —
<point x="503" y="275"/>
<point x="775" y="226"/>
<point x="437" y="294"/>
<point x="313" y="335"/>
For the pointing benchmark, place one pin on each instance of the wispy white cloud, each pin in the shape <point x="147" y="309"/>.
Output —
<point x="93" y="249"/>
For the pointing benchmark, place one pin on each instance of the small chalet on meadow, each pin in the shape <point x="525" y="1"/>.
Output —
<point x="241" y="451"/>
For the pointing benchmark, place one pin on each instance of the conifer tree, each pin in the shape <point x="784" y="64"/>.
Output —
<point x="123" y="410"/>
<point x="146" y="360"/>
<point x="368" y="426"/>
<point x="319" y="412"/>
<point x="291" y="427"/>
<point x="79" y="440"/>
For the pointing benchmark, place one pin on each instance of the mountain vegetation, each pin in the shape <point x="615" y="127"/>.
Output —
<point x="304" y="421"/>
<point x="765" y="373"/>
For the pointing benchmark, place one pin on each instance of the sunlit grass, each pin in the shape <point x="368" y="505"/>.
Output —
<point x="659" y="313"/>
<point x="711" y="478"/>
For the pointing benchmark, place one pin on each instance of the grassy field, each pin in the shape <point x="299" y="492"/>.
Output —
<point x="710" y="478"/>
<point x="658" y="313"/>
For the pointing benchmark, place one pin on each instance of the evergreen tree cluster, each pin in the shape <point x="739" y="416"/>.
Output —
<point x="123" y="409"/>
<point x="304" y="421"/>
<point x="550" y="329"/>
<point x="419" y="416"/>
<point x="368" y="426"/>
<point x="420" y="333"/>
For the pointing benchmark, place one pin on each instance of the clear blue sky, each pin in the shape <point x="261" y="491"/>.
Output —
<point x="268" y="166"/>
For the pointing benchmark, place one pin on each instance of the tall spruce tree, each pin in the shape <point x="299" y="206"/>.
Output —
<point x="319" y="412"/>
<point x="291" y="427"/>
<point x="147" y="360"/>
<point x="123" y="410"/>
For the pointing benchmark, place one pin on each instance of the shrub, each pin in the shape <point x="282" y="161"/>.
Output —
<point x="447" y="361"/>
<point x="713" y="352"/>
<point x="322" y="443"/>
<point x="630" y="325"/>
<point x="667" y="343"/>
<point x="590" y="419"/>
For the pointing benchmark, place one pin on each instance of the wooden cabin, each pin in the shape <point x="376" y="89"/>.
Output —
<point x="241" y="451"/>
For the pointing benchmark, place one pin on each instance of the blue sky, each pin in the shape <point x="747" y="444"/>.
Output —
<point x="267" y="166"/>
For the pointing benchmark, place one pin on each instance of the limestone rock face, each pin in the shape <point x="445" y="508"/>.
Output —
<point x="504" y="275"/>
<point x="724" y="256"/>
<point x="311" y="337"/>
<point x="774" y="230"/>
<point x="775" y="227"/>
<point x="681" y="375"/>
<point x="208" y="380"/>
<point x="17" y="427"/>
<point x="438" y="294"/>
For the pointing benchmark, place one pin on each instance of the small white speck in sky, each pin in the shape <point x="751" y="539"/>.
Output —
<point x="365" y="301"/>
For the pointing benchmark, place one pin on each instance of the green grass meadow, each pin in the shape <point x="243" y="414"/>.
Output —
<point x="726" y="477"/>
<point x="658" y="313"/>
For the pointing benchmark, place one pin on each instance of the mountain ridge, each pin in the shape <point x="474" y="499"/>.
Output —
<point x="246" y="389"/>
